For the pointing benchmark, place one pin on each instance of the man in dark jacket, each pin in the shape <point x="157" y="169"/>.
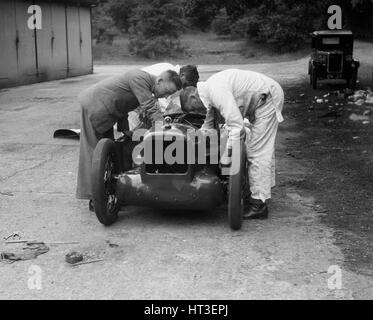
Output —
<point x="109" y="102"/>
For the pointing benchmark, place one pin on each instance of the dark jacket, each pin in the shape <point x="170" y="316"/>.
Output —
<point x="110" y="100"/>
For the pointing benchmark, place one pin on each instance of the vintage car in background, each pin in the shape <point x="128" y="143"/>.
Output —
<point x="332" y="57"/>
<point x="118" y="182"/>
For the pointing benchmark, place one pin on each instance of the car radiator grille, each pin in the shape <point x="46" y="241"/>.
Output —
<point x="165" y="168"/>
<point x="335" y="62"/>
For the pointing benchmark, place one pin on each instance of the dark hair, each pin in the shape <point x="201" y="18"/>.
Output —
<point x="175" y="78"/>
<point x="185" y="97"/>
<point x="191" y="75"/>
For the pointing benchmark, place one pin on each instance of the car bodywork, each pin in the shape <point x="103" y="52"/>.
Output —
<point x="118" y="179"/>
<point x="187" y="186"/>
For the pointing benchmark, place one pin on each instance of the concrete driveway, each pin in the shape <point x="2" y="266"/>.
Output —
<point x="152" y="254"/>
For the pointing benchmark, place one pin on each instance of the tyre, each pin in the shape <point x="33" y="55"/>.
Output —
<point x="351" y="82"/>
<point x="313" y="78"/>
<point x="235" y="191"/>
<point x="105" y="165"/>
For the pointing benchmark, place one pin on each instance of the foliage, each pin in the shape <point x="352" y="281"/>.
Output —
<point x="103" y="27"/>
<point x="200" y="13"/>
<point x="281" y="24"/>
<point x="121" y="11"/>
<point x="154" y="25"/>
<point x="155" y="28"/>
<point x="221" y="25"/>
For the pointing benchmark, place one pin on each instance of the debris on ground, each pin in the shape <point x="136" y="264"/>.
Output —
<point x="360" y="102"/>
<point x="292" y="101"/>
<point x="29" y="242"/>
<point x="13" y="236"/>
<point x="32" y="251"/>
<point x="320" y="209"/>
<point x="74" y="257"/>
<point x="358" y="117"/>
<point x="294" y="154"/>
<point x="369" y="99"/>
<point x="361" y="97"/>
<point x="9" y="194"/>
<point x="86" y="262"/>
<point x="359" y="94"/>
<point x="112" y="245"/>
<point x="77" y="258"/>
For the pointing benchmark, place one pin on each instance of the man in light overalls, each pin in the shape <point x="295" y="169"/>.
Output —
<point x="250" y="100"/>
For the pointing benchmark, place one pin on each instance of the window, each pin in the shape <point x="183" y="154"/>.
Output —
<point x="330" y="41"/>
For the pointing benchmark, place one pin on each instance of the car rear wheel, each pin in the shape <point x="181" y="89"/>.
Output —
<point x="105" y="165"/>
<point x="237" y="181"/>
<point x="351" y="82"/>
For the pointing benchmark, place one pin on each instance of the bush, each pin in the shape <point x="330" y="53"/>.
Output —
<point x="285" y="27"/>
<point x="121" y="11"/>
<point x="200" y="13"/>
<point x="103" y="28"/>
<point x="221" y="25"/>
<point x="154" y="29"/>
<point x="240" y="29"/>
<point x="284" y="31"/>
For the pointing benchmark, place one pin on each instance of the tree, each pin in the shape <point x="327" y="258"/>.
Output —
<point x="155" y="28"/>
<point x="201" y="12"/>
<point x="103" y="27"/>
<point x="121" y="12"/>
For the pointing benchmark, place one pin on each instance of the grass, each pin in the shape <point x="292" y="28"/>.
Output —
<point x="201" y="48"/>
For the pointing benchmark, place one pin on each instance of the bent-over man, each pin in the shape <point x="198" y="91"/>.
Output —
<point x="251" y="100"/>
<point x="110" y="101"/>
<point x="189" y="76"/>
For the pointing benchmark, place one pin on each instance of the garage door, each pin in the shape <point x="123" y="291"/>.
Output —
<point x="51" y="42"/>
<point x="86" y="44"/>
<point x="26" y="53"/>
<point x="8" y="52"/>
<point x="73" y="40"/>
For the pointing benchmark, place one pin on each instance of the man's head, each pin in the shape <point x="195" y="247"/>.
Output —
<point x="191" y="102"/>
<point x="167" y="83"/>
<point x="189" y="76"/>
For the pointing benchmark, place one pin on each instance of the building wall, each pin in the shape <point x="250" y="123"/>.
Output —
<point x="62" y="48"/>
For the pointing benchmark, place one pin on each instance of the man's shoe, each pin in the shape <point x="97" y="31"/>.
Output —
<point x="91" y="207"/>
<point x="256" y="211"/>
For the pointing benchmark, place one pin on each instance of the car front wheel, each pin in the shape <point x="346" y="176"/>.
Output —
<point x="105" y="166"/>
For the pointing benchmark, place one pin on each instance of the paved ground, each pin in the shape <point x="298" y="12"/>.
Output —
<point x="159" y="255"/>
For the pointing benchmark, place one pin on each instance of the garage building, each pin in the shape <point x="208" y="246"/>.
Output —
<point x="61" y="48"/>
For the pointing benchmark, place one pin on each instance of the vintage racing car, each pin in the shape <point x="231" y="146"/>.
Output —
<point x="118" y="181"/>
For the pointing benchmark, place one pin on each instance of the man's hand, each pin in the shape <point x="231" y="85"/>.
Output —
<point x="226" y="158"/>
<point x="150" y="112"/>
<point x="250" y="113"/>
